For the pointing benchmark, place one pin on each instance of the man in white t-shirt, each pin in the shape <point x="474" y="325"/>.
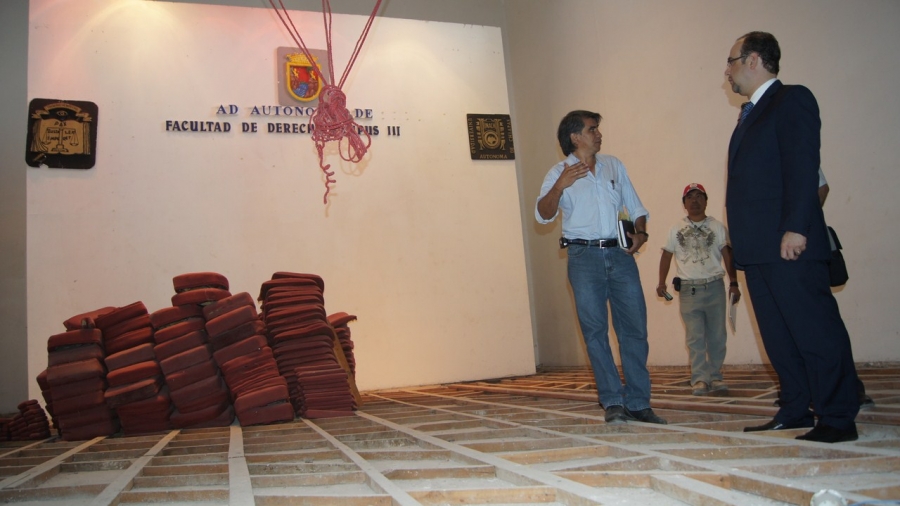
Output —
<point x="699" y="244"/>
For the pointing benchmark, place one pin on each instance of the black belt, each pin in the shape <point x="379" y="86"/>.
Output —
<point x="597" y="243"/>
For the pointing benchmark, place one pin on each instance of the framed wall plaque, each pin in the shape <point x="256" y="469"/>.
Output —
<point x="62" y="134"/>
<point x="490" y="137"/>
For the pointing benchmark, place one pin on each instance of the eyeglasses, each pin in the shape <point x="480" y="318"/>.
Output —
<point x="741" y="57"/>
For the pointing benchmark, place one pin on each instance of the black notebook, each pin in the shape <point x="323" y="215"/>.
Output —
<point x="625" y="227"/>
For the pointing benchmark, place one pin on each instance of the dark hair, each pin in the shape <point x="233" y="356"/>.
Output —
<point x="573" y="123"/>
<point x="766" y="46"/>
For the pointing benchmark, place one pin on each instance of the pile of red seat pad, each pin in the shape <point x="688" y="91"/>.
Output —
<point x="340" y="323"/>
<point x="68" y="352"/>
<point x="29" y="424"/>
<point x="195" y="385"/>
<point x="303" y="343"/>
<point x="75" y="379"/>
<point x="237" y="336"/>
<point x="133" y="375"/>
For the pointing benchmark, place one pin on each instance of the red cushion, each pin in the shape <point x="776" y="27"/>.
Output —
<point x="128" y="340"/>
<point x="75" y="388"/>
<point x="74" y="337"/>
<point x="238" y="334"/>
<point x="249" y="345"/>
<point x="104" y="427"/>
<point x="261" y="397"/>
<point x="75" y="354"/>
<point x="230" y="320"/>
<point x="201" y="296"/>
<point x="133" y="373"/>
<point x="228" y="304"/>
<point x="193" y="280"/>
<point x="133" y="355"/>
<point x="272" y="413"/>
<point x="78" y="403"/>
<point x="179" y="329"/>
<point x="220" y="415"/>
<point x="138" y="322"/>
<point x="174" y="314"/>
<point x="86" y="320"/>
<point x="180" y="344"/>
<point x="286" y="282"/>
<point x="186" y="359"/>
<point x="203" y="388"/>
<point x="192" y="374"/>
<point x="340" y="319"/>
<point x="74" y="371"/>
<point x="121" y="314"/>
<point x="133" y="392"/>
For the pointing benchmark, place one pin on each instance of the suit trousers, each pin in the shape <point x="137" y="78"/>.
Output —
<point x="806" y="341"/>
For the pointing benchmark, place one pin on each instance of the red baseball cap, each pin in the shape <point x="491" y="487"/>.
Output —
<point x="693" y="186"/>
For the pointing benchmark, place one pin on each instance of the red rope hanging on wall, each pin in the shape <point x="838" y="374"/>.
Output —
<point x="331" y="120"/>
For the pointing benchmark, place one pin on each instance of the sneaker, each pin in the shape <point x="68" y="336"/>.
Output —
<point x="699" y="388"/>
<point x="646" y="415"/>
<point x="617" y="415"/>
<point x="718" y="386"/>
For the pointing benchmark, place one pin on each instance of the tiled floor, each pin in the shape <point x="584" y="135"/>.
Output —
<point x="533" y="440"/>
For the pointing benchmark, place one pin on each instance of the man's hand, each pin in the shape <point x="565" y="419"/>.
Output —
<point x="549" y="204"/>
<point x="638" y="240"/>
<point x="792" y="245"/>
<point x="571" y="173"/>
<point x="661" y="290"/>
<point x="736" y="292"/>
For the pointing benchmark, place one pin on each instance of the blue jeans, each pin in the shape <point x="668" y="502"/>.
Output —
<point x="703" y="313"/>
<point x="598" y="276"/>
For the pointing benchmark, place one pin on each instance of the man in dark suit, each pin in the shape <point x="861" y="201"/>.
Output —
<point x="779" y="239"/>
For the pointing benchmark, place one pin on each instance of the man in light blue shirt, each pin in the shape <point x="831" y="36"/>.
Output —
<point x="592" y="190"/>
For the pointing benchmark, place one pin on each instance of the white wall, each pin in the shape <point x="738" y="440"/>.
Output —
<point x="654" y="70"/>
<point x="419" y="241"/>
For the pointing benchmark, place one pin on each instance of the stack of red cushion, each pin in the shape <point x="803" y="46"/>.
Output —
<point x="195" y="385"/>
<point x="303" y="343"/>
<point x="339" y="322"/>
<point x="74" y="351"/>
<point x="237" y="335"/>
<point x="76" y="377"/>
<point x="133" y="375"/>
<point x="31" y="422"/>
<point x="77" y="383"/>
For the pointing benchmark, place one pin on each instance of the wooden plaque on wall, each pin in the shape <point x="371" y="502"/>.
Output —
<point x="62" y="134"/>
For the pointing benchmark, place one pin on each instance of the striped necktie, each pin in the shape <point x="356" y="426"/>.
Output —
<point x="745" y="111"/>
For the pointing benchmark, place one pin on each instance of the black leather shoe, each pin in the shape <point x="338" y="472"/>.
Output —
<point x="616" y="415"/>
<point x="827" y="434"/>
<point x="776" y="425"/>
<point x="646" y="415"/>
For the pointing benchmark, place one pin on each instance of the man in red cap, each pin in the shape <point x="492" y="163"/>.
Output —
<point x="699" y="244"/>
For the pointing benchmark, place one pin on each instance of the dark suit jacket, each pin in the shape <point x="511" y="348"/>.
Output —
<point x="773" y="164"/>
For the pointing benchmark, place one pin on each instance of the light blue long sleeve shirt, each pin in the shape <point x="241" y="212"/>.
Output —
<point x="590" y="207"/>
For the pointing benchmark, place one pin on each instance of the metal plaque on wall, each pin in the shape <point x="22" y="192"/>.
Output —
<point x="490" y="137"/>
<point x="62" y="134"/>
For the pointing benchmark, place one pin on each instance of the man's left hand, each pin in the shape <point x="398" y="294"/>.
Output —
<point x="638" y="240"/>
<point x="792" y="245"/>
<point x="736" y="292"/>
